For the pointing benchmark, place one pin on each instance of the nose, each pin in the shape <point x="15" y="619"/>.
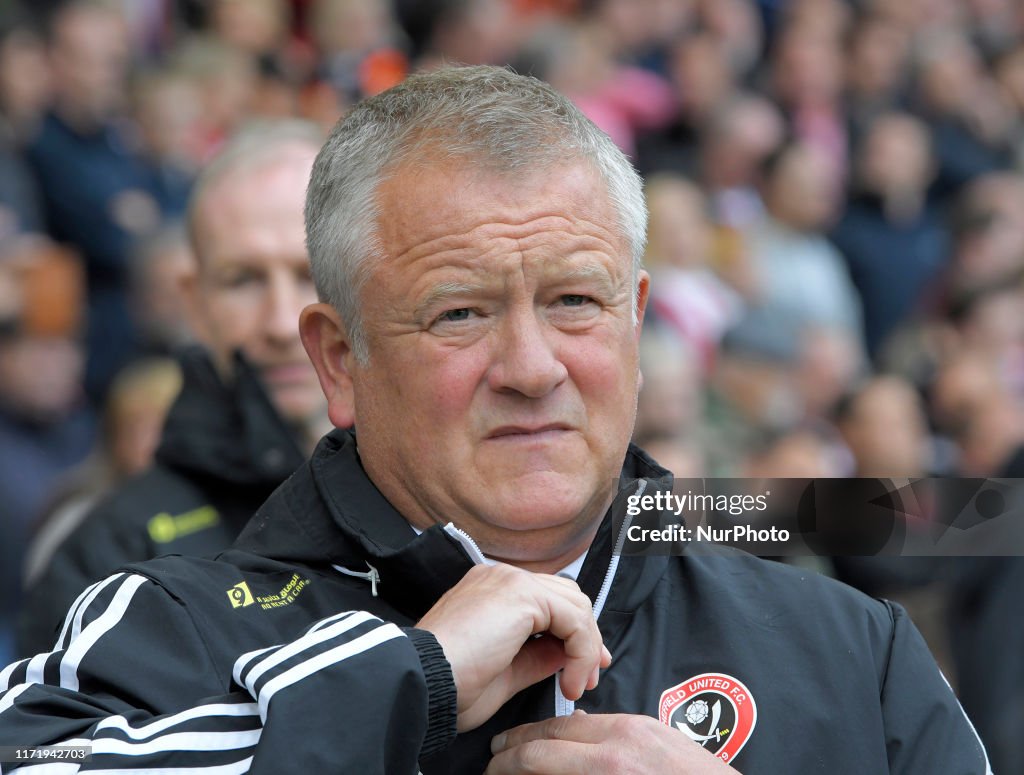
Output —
<point x="525" y="360"/>
<point x="281" y="310"/>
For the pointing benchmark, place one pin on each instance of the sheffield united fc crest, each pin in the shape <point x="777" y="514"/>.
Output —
<point x="714" y="710"/>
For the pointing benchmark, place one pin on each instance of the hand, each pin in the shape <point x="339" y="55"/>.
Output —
<point x="486" y="625"/>
<point x="600" y="744"/>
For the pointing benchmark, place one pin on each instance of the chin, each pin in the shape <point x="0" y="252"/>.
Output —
<point x="296" y="406"/>
<point x="546" y="501"/>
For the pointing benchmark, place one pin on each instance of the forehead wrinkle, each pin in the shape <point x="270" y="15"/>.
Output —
<point x="523" y="230"/>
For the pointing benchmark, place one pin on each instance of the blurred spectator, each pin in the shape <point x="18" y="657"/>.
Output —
<point x="800" y="273"/>
<point x="807" y="79"/>
<point x="830" y="360"/>
<point x="990" y="321"/>
<point x="257" y="27"/>
<point x="98" y="195"/>
<point x="133" y="418"/>
<point x="892" y="238"/>
<point x="162" y="267"/>
<point x="884" y="425"/>
<point x="621" y="100"/>
<point x="24" y="78"/>
<point x="686" y="294"/>
<point x="166" y="110"/>
<point x="989" y="232"/>
<point x="703" y="82"/>
<point x="250" y="408"/>
<point x="737" y="26"/>
<point x="878" y="53"/>
<point x="752" y="391"/>
<point x="800" y="452"/>
<point x="734" y="145"/>
<point x="971" y="122"/>
<point x="473" y="32"/>
<point x="359" y="44"/>
<point x="670" y="405"/>
<point x="45" y="428"/>
<point x="226" y="79"/>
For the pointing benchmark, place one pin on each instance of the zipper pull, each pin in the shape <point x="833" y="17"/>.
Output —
<point x="373" y="576"/>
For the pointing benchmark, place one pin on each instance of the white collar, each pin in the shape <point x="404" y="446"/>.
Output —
<point x="570" y="571"/>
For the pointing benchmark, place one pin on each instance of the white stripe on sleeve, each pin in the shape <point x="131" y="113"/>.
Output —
<point x="7" y="672"/>
<point x="340" y="653"/>
<point x="90" y="594"/>
<point x="302" y="644"/>
<point x="80" y="646"/>
<point x="155" y="727"/>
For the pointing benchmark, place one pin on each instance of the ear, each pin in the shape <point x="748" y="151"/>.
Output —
<point x="327" y="345"/>
<point x="643" y="288"/>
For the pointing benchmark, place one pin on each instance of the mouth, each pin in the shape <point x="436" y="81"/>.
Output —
<point x="529" y="432"/>
<point x="286" y="373"/>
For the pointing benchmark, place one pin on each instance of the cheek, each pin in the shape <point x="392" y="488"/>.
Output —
<point x="604" y="369"/>
<point x="233" y="319"/>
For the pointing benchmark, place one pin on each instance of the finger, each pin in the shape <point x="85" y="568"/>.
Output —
<point x="582" y="643"/>
<point x="542" y="757"/>
<point x="539" y="658"/>
<point x="578" y="727"/>
<point x="580" y="633"/>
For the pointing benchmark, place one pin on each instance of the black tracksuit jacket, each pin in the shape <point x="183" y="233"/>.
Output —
<point x="276" y="659"/>
<point x="223" y="450"/>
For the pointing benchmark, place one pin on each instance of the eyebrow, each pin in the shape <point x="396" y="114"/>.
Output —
<point x="442" y="292"/>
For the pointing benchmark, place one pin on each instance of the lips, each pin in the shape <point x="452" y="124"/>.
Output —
<point x="527" y="431"/>
<point x="286" y="373"/>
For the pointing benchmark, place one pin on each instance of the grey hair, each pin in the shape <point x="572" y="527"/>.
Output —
<point x="256" y="144"/>
<point x="490" y="115"/>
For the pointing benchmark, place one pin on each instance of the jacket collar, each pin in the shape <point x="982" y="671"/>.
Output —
<point x="330" y="513"/>
<point x="227" y="433"/>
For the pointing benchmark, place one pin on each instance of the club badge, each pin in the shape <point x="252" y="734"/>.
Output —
<point x="714" y="710"/>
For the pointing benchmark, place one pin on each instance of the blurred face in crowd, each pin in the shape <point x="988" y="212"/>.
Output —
<point x="253" y="275"/>
<point x="878" y="55"/>
<point x="24" y="77"/>
<point x="801" y="189"/>
<point x="886" y="430"/>
<point x="808" y="70"/>
<point x="41" y="375"/>
<point x="897" y="155"/>
<point x="501" y="385"/>
<point x="89" y="59"/>
<point x="256" y="26"/>
<point x="679" y="231"/>
<point x="701" y="74"/>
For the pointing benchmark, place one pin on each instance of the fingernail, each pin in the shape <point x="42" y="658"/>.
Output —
<point x="498" y="742"/>
<point x="607" y="653"/>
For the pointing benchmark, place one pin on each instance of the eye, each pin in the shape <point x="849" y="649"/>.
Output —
<point x="240" y="278"/>
<point x="574" y="300"/>
<point x="455" y="315"/>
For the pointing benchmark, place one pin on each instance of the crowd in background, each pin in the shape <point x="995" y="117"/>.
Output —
<point x="836" y="240"/>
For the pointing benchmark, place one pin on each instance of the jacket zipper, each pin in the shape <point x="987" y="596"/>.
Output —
<point x="563" y="706"/>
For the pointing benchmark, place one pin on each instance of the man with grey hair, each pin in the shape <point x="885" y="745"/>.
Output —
<point x="437" y="594"/>
<point x="250" y="408"/>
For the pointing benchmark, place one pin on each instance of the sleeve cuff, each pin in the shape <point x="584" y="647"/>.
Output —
<point x="441" y="692"/>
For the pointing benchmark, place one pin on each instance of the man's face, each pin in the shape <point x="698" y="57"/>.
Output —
<point x="501" y="386"/>
<point x="90" y="56"/>
<point x="254" y="277"/>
